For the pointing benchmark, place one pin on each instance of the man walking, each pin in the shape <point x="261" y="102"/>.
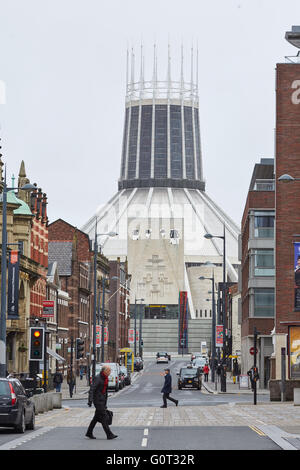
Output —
<point x="167" y="389"/>
<point x="57" y="380"/>
<point x="98" y="396"/>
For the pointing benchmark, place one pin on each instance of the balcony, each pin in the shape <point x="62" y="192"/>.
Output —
<point x="264" y="185"/>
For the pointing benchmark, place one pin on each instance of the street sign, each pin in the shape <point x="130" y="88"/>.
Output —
<point x="48" y="308"/>
<point x="252" y="351"/>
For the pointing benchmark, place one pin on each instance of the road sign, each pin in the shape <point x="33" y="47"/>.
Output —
<point x="252" y="350"/>
<point x="48" y="308"/>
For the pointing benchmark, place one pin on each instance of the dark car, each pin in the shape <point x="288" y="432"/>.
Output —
<point x="126" y="375"/>
<point x="138" y="363"/>
<point x="16" y="408"/>
<point x="189" y="377"/>
<point x="163" y="353"/>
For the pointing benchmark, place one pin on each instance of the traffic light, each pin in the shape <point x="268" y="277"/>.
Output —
<point x="36" y="348"/>
<point x="79" y="348"/>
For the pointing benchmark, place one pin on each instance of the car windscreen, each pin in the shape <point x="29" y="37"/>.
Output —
<point x="4" y="388"/>
<point x="188" y="373"/>
<point x="162" y="354"/>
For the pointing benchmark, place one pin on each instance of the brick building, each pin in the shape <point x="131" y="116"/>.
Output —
<point x="287" y="319"/>
<point x="119" y="319"/>
<point x="70" y="248"/>
<point x="257" y="274"/>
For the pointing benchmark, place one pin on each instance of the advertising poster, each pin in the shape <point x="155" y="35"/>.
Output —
<point x="295" y="352"/>
<point x="297" y="274"/>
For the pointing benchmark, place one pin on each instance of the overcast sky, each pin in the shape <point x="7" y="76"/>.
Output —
<point x="63" y="63"/>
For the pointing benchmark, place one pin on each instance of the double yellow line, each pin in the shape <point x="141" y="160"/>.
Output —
<point x="258" y="431"/>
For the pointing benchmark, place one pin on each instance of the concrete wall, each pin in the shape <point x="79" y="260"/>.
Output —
<point x="163" y="335"/>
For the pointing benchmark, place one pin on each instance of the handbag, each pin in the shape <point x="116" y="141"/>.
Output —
<point x="109" y="417"/>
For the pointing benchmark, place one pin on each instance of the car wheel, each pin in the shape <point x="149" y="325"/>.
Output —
<point x="31" y="424"/>
<point x="21" y="426"/>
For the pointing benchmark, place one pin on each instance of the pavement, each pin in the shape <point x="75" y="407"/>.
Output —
<point x="231" y="387"/>
<point x="280" y="421"/>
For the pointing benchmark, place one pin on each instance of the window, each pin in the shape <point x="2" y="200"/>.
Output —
<point x="264" y="263"/>
<point x="263" y="302"/>
<point x="264" y="224"/>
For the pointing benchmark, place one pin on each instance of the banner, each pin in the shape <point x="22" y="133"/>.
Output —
<point x="131" y="335"/>
<point x="98" y="336"/>
<point x="297" y="274"/>
<point x="13" y="285"/>
<point x="295" y="352"/>
<point x="105" y="335"/>
<point x="183" y="321"/>
<point x="219" y="336"/>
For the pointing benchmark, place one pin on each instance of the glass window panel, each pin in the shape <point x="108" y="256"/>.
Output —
<point x="264" y="225"/>
<point x="264" y="302"/>
<point x="197" y="139"/>
<point x="161" y="143"/>
<point x="133" y="142"/>
<point x="125" y="133"/>
<point x="145" y="142"/>
<point x="264" y="263"/>
<point x="189" y="142"/>
<point x="176" y="141"/>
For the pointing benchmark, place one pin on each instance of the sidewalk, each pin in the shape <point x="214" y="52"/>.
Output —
<point x="231" y="387"/>
<point x="82" y="388"/>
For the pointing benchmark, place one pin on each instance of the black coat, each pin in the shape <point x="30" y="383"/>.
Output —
<point x="167" y="388"/>
<point x="95" y="394"/>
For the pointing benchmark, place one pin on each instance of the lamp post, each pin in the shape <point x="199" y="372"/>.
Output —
<point x="5" y="189"/>
<point x="223" y="237"/>
<point x="212" y="279"/>
<point x="110" y="234"/>
<point x="136" y="300"/>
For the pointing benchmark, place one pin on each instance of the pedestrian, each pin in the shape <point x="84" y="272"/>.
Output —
<point x="167" y="389"/>
<point x="57" y="380"/>
<point x="81" y="373"/>
<point x="98" y="396"/>
<point x="205" y="372"/>
<point x="235" y="371"/>
<point x="71" y="381"/>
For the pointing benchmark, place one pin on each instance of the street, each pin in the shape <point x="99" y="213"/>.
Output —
<point x="202" y="420"/>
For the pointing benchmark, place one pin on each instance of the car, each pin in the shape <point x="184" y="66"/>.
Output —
<point x="17" y="410"/>
<point x="195" y="355"/>
<point x="114" y="381"/>
<point x="126" y="374"/>
<point x="162" y="357"/>
<point x="189" y="377"/>
<point x="138" y="363"/>
<point x="164" y="352"/>
<point x="199" y="363"/>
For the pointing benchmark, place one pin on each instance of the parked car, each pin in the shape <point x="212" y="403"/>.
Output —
<point x="162" y="357"/>
<point x="138" y="363"/>
<point x="164" y="352"/>
<point x="199" y="363"/>
<point x="16" y="408"/>
<point x="126" y="374"/>
<point x="189" y="377"/>
<point x="114" y="381"/>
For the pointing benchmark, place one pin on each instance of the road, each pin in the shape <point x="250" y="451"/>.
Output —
<point x="202" y="421"/>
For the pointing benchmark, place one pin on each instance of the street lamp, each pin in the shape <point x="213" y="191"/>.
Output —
<point x="209" y="236"/>
<point x="287" y="178"/>
<point x="5" y="189"/>
<point x="136" y="300"/>
<point x="110" y="234"/>
<point x="212" y="279"/>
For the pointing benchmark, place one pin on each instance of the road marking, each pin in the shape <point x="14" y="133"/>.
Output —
<point x="146" y="432"/>
<point x="258" y="431"/>
<point x="28" y="437"/>
<point x="144" y="442"/>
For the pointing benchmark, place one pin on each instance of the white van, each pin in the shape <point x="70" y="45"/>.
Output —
<point x="114" y="377"/>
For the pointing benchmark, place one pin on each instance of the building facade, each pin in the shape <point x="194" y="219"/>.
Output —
<point x="257" y="273"/>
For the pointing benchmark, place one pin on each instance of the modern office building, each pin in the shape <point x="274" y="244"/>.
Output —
<point x="161" y="211"/>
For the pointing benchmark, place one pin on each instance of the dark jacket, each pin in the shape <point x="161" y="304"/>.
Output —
<point x="167" y="388"/>
<point x="58" y="378"/>
<point x="95" y="393"/>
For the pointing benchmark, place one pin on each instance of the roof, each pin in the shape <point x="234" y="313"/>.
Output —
<point x="61" y="252"/>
